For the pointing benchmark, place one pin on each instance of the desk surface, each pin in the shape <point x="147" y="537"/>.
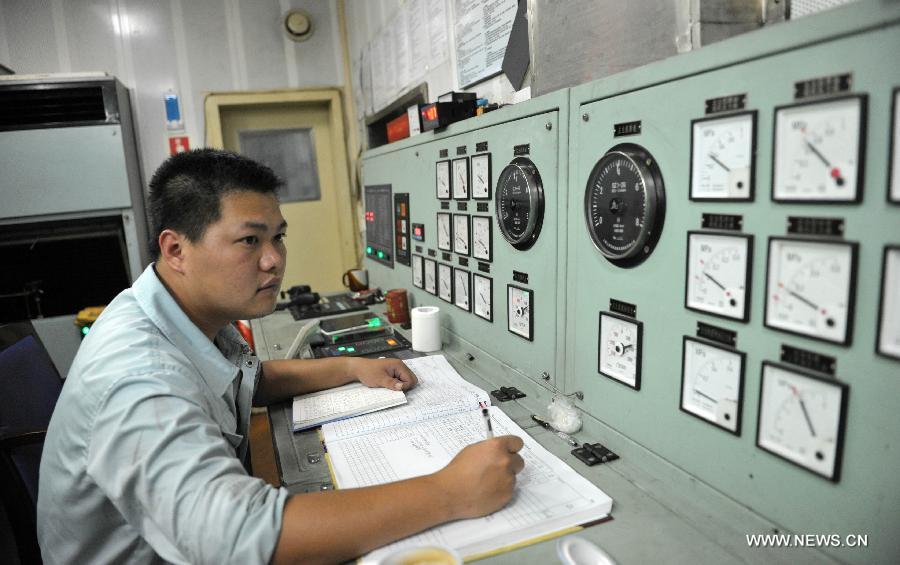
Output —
<point x="659" y="511"/>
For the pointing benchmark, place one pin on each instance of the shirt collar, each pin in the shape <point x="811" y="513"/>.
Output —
<point x="216" y="362"/>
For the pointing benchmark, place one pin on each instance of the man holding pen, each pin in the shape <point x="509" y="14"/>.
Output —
<point x="143" y="457"/>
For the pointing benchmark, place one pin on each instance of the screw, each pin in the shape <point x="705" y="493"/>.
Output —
<point x="549" y="126"/>
<point x="579" y="395"/>
<point x="470" y="357"/>
<point x="545" y="375"/>
<point x="585" y="117"/>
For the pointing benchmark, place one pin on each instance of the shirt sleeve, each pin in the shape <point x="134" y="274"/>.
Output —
<point x="164" y="464"/>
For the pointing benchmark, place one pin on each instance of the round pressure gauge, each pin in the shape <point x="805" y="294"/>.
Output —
<point x="619" y="349"/>
<point x="718" y="274"/>
<point x="722" y="157"/>
<point x="442" y="180"/>
<point x="712" y="377"/>
<point x="811" y="287"/>
<point x="801" y="418"/>
<point x="819" y="151"/>
<point x="520" y="203"/>
<point x="624" y="204"/>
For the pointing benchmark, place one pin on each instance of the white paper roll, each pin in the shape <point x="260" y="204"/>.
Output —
<point x="426" y="328"/>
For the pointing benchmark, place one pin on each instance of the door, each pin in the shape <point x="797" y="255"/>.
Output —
<point x="299" y="133"/>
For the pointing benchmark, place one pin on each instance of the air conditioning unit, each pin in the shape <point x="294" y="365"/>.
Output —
<point x="73" y="230"/>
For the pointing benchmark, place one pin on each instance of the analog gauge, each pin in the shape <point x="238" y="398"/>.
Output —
<point x="819" y="151"/>
<point x="461" y="234"/>
<point x="481" y="237"/>
<point x="483" y="294"/>
<point x="481" y="176"/>
<point x="430" y="276"/>
<point x="624" y="204"/>
<point x="888" y="342"/>
<point x="712" y="379"/>
<point x="723" y="154"/>
<point x="520" y="203"/>
<point x="718" y="274"/>
<point x="461" y="289"/>
<point x="619" y="349"/>
<point x="461" y="179"/>
<point x="445" y="282"/>
<point x="418" y="273"/>
<point x="444" y="231"/>
<point x="810" y="288"/>
<point x="801" y="418"/>
<point x="442" y="180"/>
<point x="520" y="311"/>
<point x="894" y="189"/>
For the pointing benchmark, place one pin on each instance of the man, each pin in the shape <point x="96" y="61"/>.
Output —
<point x="142" y="461"/>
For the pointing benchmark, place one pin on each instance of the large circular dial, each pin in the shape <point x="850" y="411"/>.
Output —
<point x="624" y="204"/>
<point x="520" y="203"/>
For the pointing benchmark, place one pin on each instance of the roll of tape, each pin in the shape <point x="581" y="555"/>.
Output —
<point x="426" y="328"/>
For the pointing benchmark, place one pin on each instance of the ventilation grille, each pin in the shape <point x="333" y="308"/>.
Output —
<point x="48" y="106"/>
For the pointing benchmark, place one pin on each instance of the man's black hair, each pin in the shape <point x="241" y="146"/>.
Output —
<point x="187" y="189"/>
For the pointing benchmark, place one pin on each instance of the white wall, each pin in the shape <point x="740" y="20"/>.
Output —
<point x="190" y="46"/>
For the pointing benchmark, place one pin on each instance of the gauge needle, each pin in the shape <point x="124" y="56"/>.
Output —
<point x="706" y="396"/>
<point x="818" y="154"/>
<point x="803" y="407"/>
<point x="480" y="179"/>
<point x="835" y="171"/>
<point x="483" y="299"/>
<point x="710" y="277"/>
<point x="720" y="163"/>
<point x="803" y="300"/>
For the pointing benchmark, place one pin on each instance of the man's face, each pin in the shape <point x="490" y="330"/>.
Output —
<point x="234" y="272"/>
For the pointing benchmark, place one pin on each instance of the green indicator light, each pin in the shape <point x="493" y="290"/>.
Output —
<point x="85" y="330"/>
<point x="381" y="254"/>
<point x="369" y="250"/>
<point x="351" y="349"/>
<point x="374" y="322"/>
<point x="342" y="348"/>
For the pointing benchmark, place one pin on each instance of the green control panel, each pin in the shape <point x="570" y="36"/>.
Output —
<point x="707" y="248"/>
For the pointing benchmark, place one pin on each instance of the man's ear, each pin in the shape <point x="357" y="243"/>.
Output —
<point x="172" y="250"/>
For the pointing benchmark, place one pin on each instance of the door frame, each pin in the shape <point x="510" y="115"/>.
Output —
<point x="215" y="102"/>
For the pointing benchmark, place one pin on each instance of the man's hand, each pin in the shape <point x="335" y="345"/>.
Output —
<point x="481" y="477"/>
<point x="384" y="373"/>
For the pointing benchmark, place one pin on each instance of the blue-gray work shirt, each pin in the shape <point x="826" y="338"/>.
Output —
<point x="142" y="461"/>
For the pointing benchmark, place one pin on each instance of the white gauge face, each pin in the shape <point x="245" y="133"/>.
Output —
<point x="461" y="234"/>
<point x="722" y="158"/>
<point x="461" y="291"/>
<point x="889" y="324"/>
<point x="519" y="312"/>
<point x="800" y="418"/>
<point x="718" y="274"/>
<point x="483" y="294"/>
<point x="817" y="151"/>
<point x="444" y="231"/>
<point x="417" y="271"/>
<point x="711" y="383"/>
<point x="894" y="194"/>
<point x="620" y="349"/>
<point x="481" y="237"/>
<point x="430" y="276"/>
<point x="461" y="178"/>
<point x="481" y="176"/>
<point x="809" y="288"/>
<point x="443" y="179"/>
<point x="445" y="282"/>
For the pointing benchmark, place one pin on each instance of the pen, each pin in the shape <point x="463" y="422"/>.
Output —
<point x="563" y="435"/>
<point x="487" y="423"/>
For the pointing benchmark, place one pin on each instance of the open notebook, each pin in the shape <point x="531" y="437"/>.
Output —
<point x="440" y="419"/>
<point x="314" y="409"/>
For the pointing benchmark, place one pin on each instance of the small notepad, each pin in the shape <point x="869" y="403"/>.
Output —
<point x="354" y="399"/>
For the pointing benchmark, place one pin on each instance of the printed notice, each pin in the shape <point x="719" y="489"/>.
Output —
<point x="482" y="31"/>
